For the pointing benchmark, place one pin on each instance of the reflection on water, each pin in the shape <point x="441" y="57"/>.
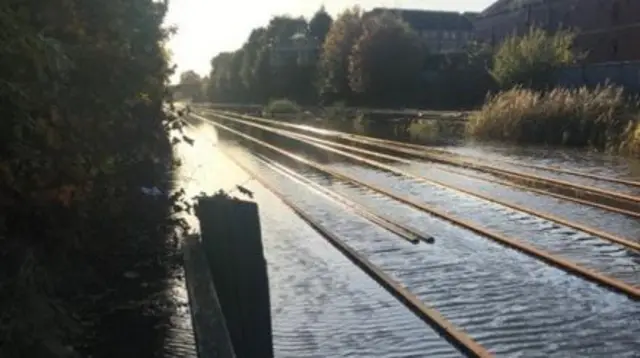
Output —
<point x="322" y="306"/>
<point x="449" y="136"/>
<point x="513" y="304"/>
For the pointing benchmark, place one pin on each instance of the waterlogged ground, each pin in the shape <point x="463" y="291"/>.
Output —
<point x="323" y="306"/>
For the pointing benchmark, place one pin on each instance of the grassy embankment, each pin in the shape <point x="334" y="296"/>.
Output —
<point x="531" y="111"/>
<point x="602" y="118"/>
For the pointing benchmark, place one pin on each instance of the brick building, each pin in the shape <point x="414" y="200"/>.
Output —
<point x="608" y="30"/>
<point x="442" y="31"/>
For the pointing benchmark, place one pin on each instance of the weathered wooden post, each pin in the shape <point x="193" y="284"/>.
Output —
<point x="233" y="243"/>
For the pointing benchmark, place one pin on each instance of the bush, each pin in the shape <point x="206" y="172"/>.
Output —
<point x="282" y="107"/>
<point x="530" y="60"/>
<point x="631" y="139"/>
<point x="602" y="118"/>
<point x="82" y="86"/>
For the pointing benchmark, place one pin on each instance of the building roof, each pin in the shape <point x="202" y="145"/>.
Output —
<point x="507" y="5"/>
<point x="422" y="20"/>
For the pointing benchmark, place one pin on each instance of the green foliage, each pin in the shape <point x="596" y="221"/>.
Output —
<point x="456" y="81"/>
<point x="192" y="86"/>
<point x="334" y="61"/>
<point x="601" y="118"/>
<point x="386" y="60"/>
<point x="320" y="24"/>
<point x="190" y="78"/>
<point x="530" y="60"/>
<point x="82" y="86"/>
<point x="282" y="106"/>
<point x="247" y="75"/>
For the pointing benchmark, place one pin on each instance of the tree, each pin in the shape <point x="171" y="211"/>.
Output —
<point x="320" y="24"/>
<point x="246" y="75"/>
<point x="83" y="85"/>
<point x="224" y="84"/>
<point x="530" y="60"/>
<point x="334" y="61"/>
<point x="386" y="60"/>
<point x="253" y="69"/>
<point x="191" y="85"/>
<point x="189" y="78"/>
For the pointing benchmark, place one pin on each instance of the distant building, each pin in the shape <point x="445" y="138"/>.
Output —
<point x="443" y="31"/>
<point x="608" y="30"/>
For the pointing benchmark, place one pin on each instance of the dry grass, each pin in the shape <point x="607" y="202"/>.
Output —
<point x="602" y="118"/>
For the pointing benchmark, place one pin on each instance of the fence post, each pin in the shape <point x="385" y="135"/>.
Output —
<point x="232" y="241"/>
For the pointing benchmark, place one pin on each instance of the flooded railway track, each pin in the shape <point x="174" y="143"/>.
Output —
<point x="623" y="202"/>
<point x="331" y="147"/>
<point x="617" y="278"/>
<point x="459" y="339"/>
<point x="489" y="292"/>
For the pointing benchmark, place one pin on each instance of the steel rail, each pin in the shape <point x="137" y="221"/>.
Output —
<point x="570" y="267"/>
<point x="635" y="214"/>
<point x="627" y="201"/>
<point x="411" y="235"/>
<point x="383" y="221"/>
<point x="425" y="148"/>
<point x="554" y="169"/>
<point x="327" y="145"/>
<point x="457" y="171"/>
<point x="454" y="335"/>
<point x="444" y="152"/>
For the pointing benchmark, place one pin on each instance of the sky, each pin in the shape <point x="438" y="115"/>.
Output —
<point x="208" y="27"/>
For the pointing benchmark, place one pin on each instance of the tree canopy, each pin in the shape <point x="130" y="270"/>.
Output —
<point x="192" y="85"/>
<point x="82" y="86"/>
<point x="386" y="61"/>
<point x="530" y="60"/>
<point x="334" y="60"/>
<point x="376" y="59"/>
<point x="247" y="75"/>
<point x="320" y="24"/>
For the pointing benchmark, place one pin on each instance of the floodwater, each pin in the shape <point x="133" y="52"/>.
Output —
<point x="515" y="305"/>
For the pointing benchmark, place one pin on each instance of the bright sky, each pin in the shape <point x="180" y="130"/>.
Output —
<point x="207" y="27"/>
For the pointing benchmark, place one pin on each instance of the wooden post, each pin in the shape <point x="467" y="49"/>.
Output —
<point x="233" y="244"/>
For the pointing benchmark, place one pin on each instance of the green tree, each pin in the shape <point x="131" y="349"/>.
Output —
<point x="333" y="82"/>
<point x="191" y="85"/>
<point x="254" y="68"/>
<point x="247" y="75"/>
<point x="320" y="24"/>
<point x="386" y="60"/>
<point x="190" y="78"/>
<point x="530" y="60"/>
<point x="82" y="87"/>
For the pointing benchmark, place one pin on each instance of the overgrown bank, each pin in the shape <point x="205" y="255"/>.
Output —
<point x="83" y="129"/>
<point x="602" y="118"/>
<point x="530" y="110"/>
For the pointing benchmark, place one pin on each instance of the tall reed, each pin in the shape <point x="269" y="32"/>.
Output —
<point x="602" y="118"/>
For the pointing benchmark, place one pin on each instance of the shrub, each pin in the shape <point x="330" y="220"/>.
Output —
<point x="602" y="118"/>
<point x="531" y="60"/>
<point x="282" y="107"/>
<point x="631" y="139"/>
<point x="83" y="129"/>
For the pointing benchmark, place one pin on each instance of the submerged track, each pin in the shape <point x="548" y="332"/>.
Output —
<point x="598" y="197"/>
<point x="566" y="265"/>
